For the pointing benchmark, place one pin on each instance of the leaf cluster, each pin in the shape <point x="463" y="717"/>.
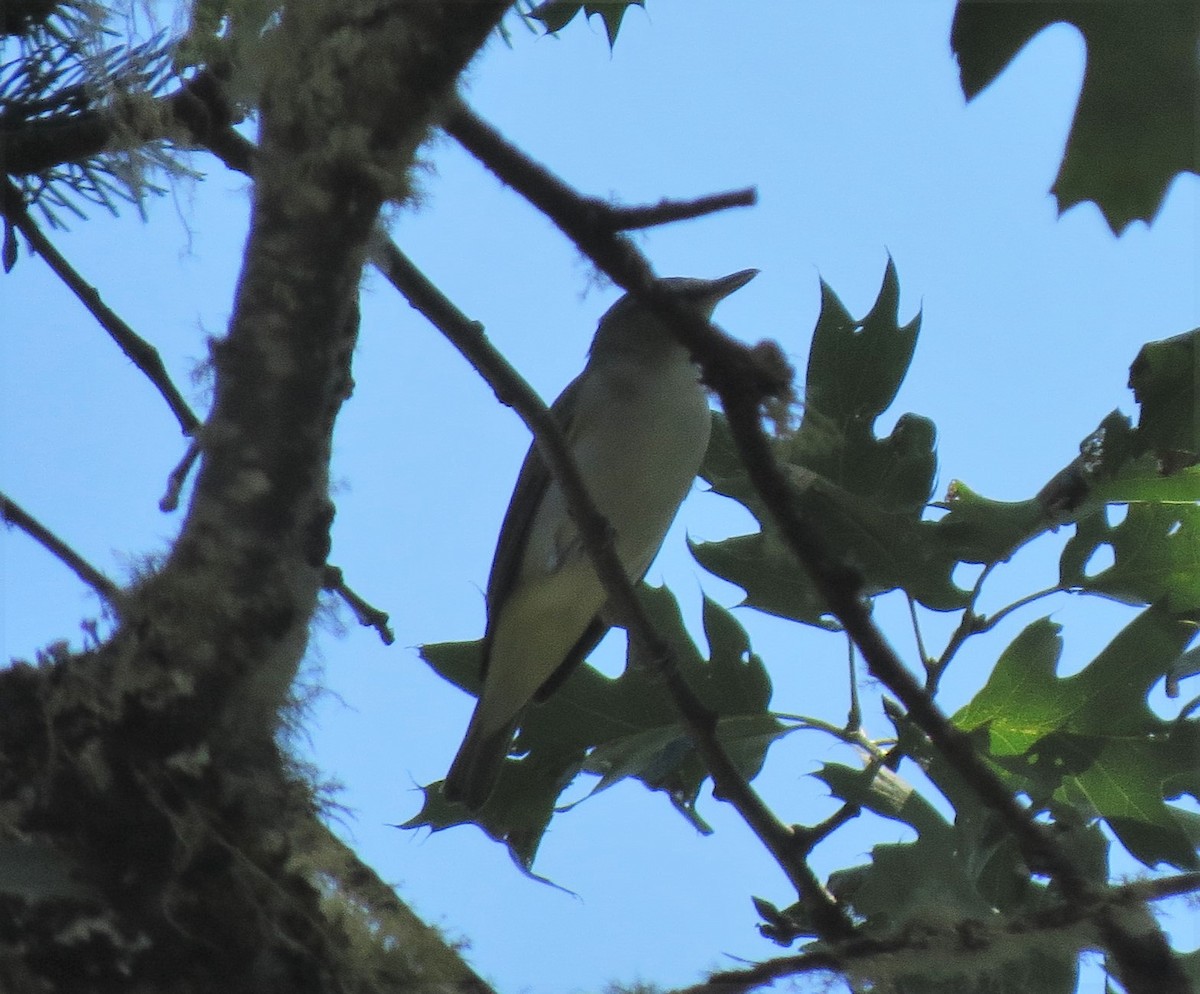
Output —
<point x="1087" y="750"/>
<point x="617" y="728"/>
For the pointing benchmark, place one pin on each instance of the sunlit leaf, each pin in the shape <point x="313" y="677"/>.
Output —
<point x="1092" y="737"/>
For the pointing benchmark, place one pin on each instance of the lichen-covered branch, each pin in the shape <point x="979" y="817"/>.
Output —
<point x="947" y="950"/>
<point x="151" y="760"/>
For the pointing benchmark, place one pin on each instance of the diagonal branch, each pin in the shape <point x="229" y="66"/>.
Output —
<point x="13" y="514"/>
<point x="363" y="897"/>
<point x="140" y="352"/>
<point x="744" y="382"/>
<point x="730" y="785"/>
<point x="944" y="947"/>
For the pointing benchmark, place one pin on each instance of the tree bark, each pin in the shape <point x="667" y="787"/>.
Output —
<point x="154" y="833"/>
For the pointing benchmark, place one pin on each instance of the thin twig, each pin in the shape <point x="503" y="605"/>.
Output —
<point x="1160" y="888"/>
<point x="990" y="621"/>
<point x="743" y="382"/>
<point x="14" y="514"/>
<point x="368" y="615"/>
<point x="140" y="352"/>
<point x="728" y="782"/>
<point x="590" y="225"/>
<point x="977" y="624"/>
<point x="170" y="500"/>
<point x="669" y="211"/>
<point x="926" y="660"/>
<point x="854" y="713"/>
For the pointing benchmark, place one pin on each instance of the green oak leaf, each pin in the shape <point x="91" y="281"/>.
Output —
<point x="619" y="728"/>
<point x="1163" y="378"/>
<point x="910" y="880"/>
<point x="1090" y="739"/>
<point x="867" y="493"/>
<point x="978" y="530"/>
<point x="1135" y="127"/>
<point x="923" y="888"/>
<point x="1156" y="556"/>
<point x="983" y="842"/>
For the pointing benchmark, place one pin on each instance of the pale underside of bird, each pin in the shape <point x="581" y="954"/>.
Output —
<point x="637" y="422"/>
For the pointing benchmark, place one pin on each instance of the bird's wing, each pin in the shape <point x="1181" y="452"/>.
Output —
<point x="532" y="482"/>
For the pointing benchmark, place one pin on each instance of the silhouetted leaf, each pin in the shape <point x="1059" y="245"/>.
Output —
<point x="866" y="494"/>
<point x="557" y="14"/>
<point x="1135" y="127"/>
<point x="618" y="728"/>
<point x="1163" y="380"/>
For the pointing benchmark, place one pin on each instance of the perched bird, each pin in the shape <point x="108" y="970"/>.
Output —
<point x="637" y="422"/>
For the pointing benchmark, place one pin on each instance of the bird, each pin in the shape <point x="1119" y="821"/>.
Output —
<point x="637" y="422"/>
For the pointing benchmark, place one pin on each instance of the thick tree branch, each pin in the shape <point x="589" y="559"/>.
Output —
<point x="371" y="907"/>
<point x="152" y="760"/>
<point x="336" y="142"/>
<point x="511" y="389"/>
<point x="13" y="514"/>
<point x="744" y="382"/>
<point x="200" y="108"/>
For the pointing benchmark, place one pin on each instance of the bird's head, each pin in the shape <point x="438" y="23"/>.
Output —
<point x="630" y="326"/>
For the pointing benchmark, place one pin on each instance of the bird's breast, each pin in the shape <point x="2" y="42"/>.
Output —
<point x="639" y="443"/>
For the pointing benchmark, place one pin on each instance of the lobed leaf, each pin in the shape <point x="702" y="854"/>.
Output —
<point x="557" y="14"/>
<point x="868" y="492"/>
<point x="1135" y="127"/>
<point x="1091" y="739"/>
<point x="619" y="728"/>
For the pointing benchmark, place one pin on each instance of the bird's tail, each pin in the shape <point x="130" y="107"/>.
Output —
<point x="476" y="768"/>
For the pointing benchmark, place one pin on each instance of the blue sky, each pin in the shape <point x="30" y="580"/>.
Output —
<point x="848" y="118"/>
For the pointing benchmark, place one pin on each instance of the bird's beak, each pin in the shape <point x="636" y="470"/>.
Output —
<point x="717" y="290"/>
<point x="723" y="287"/>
